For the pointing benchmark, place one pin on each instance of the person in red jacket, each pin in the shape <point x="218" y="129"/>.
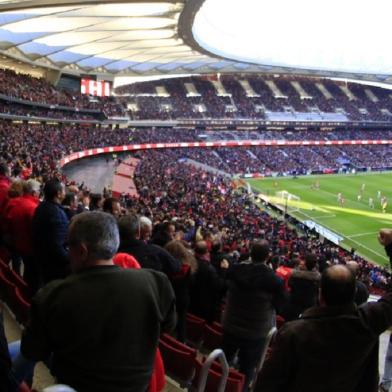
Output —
<point x="18" y="216"/>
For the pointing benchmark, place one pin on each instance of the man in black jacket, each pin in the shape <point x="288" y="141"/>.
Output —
<point x="332" y="347"/>
<point x="148" y="255"/>
<point x="102" y="323"/>
<point x="207" y="285"/>
<point x="50" y="225"/>
<point x="254" y="295"/>
<point x="304" y="285"/>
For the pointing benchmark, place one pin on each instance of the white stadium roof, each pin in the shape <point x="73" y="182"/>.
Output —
<point x="129" y="38"/>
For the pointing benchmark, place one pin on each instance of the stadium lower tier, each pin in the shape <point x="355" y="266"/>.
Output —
<point x="192" y="197"/>
<point x="39" y="147"/>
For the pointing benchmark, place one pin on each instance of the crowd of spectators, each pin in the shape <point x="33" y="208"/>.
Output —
<point x="38" y="90"/>
<point x="214" y="222"/>
<point x="40" y="146"/>
<point x="236" y="102"/>
<point x="233" y="100"/>
<point x="15" y="109"/>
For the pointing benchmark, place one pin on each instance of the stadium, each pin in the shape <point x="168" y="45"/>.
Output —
<point x="236" y="159"/>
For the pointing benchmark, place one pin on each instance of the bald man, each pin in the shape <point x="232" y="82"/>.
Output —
<point x="334" y="346"/>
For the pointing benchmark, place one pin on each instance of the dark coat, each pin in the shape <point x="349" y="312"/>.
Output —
<point x="101" y="326"/>
<point x="50" y="226"/>
<point x="304" y="287"/>
<point x="362" y="293"/>
<point x="328" y="349"/>
<point x="254" y="295"/>
<point x="152" y="256"/>
<point x="206" y="291"/>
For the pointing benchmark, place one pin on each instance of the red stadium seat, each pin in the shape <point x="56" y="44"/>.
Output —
<point x="235" y="381"/>
<point x="279" y="321"/>
<point x="194" y="329"/>
<point x="6" y="289"/>
<point x="13" y="277"/>
<point x="176" y="343"/>
<point x="179" y="361"/>
<point x="4" y="255"/>
<point x="3" y="265"/>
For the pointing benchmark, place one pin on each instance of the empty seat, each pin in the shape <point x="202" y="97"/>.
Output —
<point x="179" y="361"/>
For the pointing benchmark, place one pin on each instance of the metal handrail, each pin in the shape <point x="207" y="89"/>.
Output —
<point x="59" y="388"/>
<point x="271" y="334"/>
<point x="217" y="353"/>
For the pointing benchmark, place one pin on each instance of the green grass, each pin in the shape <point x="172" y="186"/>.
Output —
<point x="355" y="221"/>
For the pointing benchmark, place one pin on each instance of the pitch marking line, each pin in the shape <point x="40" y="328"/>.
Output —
<point x="361" y="234"/>
<point x="324" y="216"/>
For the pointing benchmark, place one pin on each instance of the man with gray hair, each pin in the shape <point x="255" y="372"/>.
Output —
<point x="145" y="228"/>
<point x="102" y="323"/>
<point x="18" y="216"/>
<point x="148" y="255"/>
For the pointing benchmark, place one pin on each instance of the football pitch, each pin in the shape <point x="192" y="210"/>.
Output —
<point x="355" y="221"/>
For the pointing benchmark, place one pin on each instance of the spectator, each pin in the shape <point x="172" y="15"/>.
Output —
<point x="207" y="286"/>
<point x="70" y="205"/>
<point x="254" y="295"/>
<point x="362" y="292"/>
<point x="163" y="233"/>
<point x="96" y="202"/>
<point x="336" y="337"/>
<point x="148" y="255"/>
<point x="181" y="282"/>
<point x="157" y="381"/>
<point x="19" y="217"/>
<point x="145" y="228"/>
<point x="102" y="323"/>
<point x="50" y="224"/>
<point x="304" y="287"/>
<point x="5" y="184"/>
<point x="84" y="202"/>
<point x="285" y="270"/>
<point x="112" y="206"/>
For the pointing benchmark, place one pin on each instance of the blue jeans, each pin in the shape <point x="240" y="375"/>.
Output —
<point x="386" y="381"/>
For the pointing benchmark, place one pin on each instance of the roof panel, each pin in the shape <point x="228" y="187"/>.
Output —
<point x="52" y="24"/>
<point x="72" y="38"/>
<point x="123" y="9"/>
<point x="149" y="37"/>
<point x="118" y="24"/>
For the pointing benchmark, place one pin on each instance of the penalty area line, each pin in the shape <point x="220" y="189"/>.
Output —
<point x="361" y="234"/>
<point x="324" y="216"/>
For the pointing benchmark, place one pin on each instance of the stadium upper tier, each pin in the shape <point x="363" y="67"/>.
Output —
<point x="53" y="102"/>
<point x="282" y="98"/>
<point x="203" y="98"/>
